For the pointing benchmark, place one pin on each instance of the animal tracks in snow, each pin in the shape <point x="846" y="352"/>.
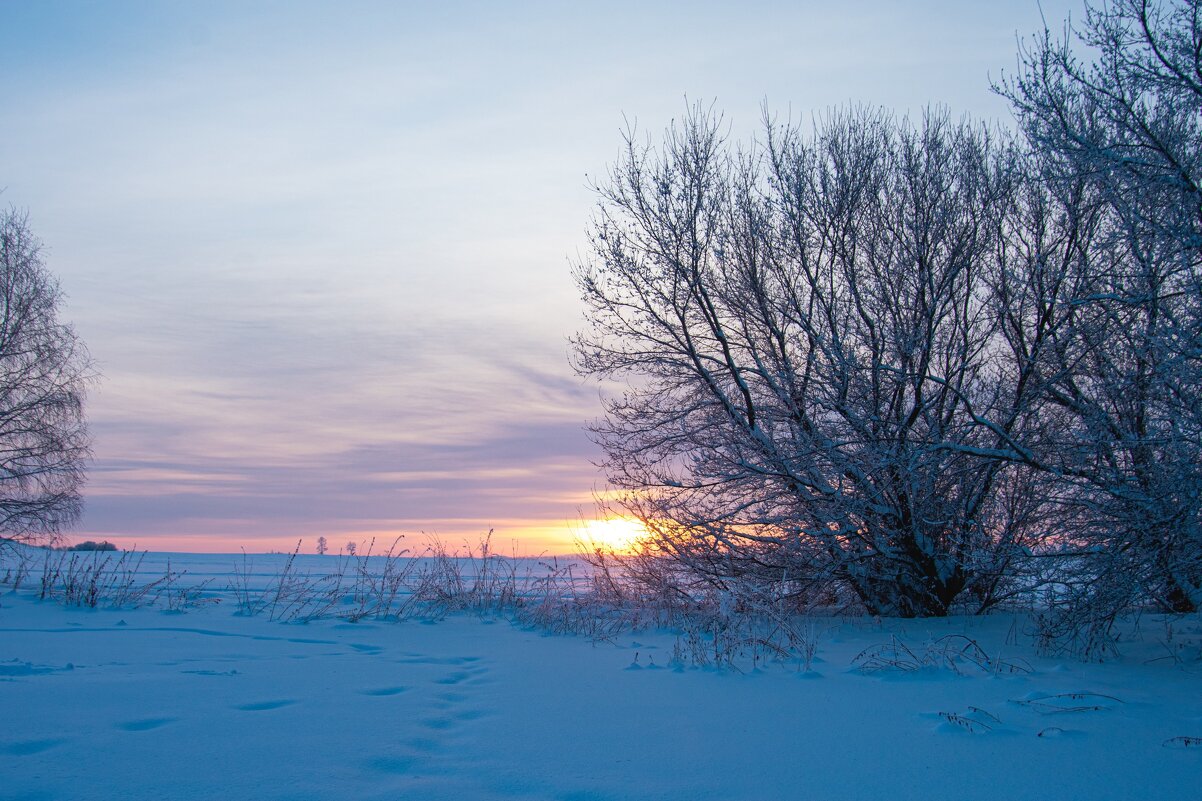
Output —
<point x="146" y="724"/>
<point x="393" y="764"/>
<point x="383" y="692"/>
<point x="265" y="706"/>
<point x="443" y="715"/>
<point x="418" y="659"/>
<point x="30" y="747"/>
<point x="453" y="678"/>
<point x="470" y="675"/>
<point x="439" y="723"/>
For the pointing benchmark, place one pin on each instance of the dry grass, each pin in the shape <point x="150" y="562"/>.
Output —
<point x="1069" y="703"/>
<point x="731" y="627"/>
<point x="101" y="578"/>
<point x="955" y="652"/>
<point x="1183" y="742"/>
<point x="974" y="721"/>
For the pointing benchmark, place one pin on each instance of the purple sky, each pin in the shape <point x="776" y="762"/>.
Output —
<point x="321" y="251"/>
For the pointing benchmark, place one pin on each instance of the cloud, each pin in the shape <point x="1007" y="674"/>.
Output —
<point x="320" y="252"/>
<point x="511" y="475"/>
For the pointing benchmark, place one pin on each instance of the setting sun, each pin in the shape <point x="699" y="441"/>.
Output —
<point x="618" y="533"/>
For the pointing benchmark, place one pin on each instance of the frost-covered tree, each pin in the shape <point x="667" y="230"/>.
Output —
<point x="817" y="387"/>
<point x="44" y="370"/>
<point x="322" y="546"/>
<point x="895" y="358"/>
<point x="1123" y="124"/>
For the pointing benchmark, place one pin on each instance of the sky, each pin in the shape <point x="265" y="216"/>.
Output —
<point x="322" y="252"/>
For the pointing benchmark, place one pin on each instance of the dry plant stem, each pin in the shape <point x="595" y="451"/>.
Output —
<point x="90" y="580"/>
<point x="953" y="652"/>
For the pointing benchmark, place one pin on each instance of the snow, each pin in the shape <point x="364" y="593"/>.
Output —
<point x="147" y="703"/>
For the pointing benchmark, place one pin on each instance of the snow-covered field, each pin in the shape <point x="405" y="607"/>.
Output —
<point x="206" y="704"/>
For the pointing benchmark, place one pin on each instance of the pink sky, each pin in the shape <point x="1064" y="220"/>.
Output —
<point x="321" y="252"/>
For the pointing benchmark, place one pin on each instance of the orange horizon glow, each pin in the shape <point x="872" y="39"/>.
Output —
<point x="523" y="538"/>
<point x="618" y="534"/>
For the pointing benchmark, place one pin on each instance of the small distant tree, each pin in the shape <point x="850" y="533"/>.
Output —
<point x="44" y="372"/>
<point x="91" y="545"/>
<point x="322" y="546"/>
<point x="350" y="548"/>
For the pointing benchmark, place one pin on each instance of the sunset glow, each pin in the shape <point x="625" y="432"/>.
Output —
<point x="322" y="259"/>
<point x="617" y="533"/>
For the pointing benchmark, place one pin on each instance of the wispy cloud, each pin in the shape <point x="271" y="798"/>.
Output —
<point x="320" y="251"/>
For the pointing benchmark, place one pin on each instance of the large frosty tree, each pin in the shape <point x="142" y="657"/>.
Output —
<point x="921" y="361"/>
<point x="813" y="356"/>
<point x="1126" y="127"/>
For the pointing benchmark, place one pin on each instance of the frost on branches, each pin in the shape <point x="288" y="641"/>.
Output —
<point x="925" y="365"/>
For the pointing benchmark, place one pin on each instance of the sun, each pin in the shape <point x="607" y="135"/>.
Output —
<point x="618" y="533"/>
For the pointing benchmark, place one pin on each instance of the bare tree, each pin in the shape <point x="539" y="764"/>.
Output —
<point x="44" y="371"/>
<point x="899" y="360"/>
<point x="1126" y="370"/>
<point x="818" y="391"/>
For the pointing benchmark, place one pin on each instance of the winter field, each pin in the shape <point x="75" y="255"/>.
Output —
<point x="186" y="693"/>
